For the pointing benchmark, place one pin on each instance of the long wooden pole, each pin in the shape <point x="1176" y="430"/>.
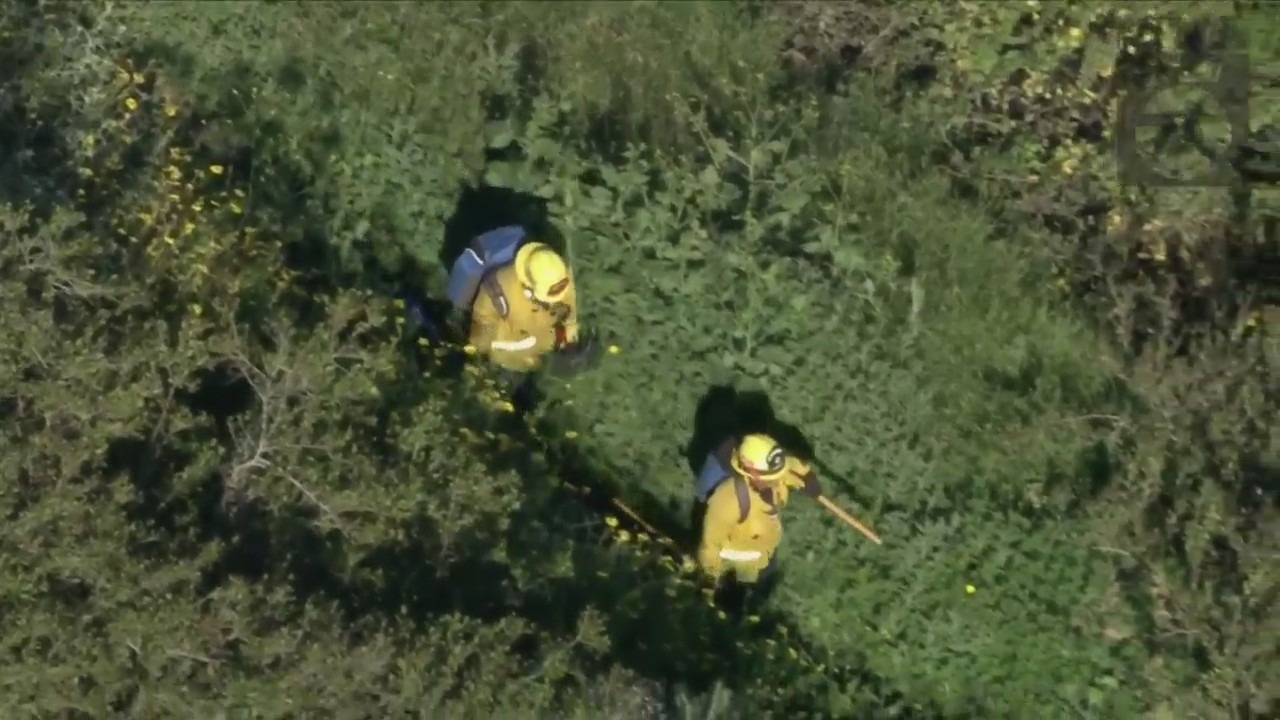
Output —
<point x="846" y="517"/>
<point x="849" y="519"/>
<point x="635" y="516"/>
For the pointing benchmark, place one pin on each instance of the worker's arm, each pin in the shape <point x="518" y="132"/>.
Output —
<point x="802" y="476"/>
<point x="717" y="525"/>
<point x="485" y="324"/>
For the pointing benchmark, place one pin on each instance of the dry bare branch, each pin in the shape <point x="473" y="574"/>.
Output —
<point x="276" y="382"/>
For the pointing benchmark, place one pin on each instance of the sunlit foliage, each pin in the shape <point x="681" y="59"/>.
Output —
<point x="234" y="482"/>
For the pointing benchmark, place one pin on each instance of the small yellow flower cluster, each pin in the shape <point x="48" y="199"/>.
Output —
<point x="180" y="204"/>
<point x="181" y="216"/>
<point x="103" y="151"/>
<point x="131" y="84"/>
<point x="137" y="89"/>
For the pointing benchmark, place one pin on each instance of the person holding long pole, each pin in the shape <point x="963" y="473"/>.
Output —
<point x="745" y="484"/>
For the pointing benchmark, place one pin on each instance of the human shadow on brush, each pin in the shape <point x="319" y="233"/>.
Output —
<point x="483" y="208"/>
<point x="725" y="411"/>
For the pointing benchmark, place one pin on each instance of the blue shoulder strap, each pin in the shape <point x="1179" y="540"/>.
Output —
<point x="714" y="472"/>
<point x="470" y="271"/>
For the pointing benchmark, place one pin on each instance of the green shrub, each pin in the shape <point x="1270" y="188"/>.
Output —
<point x="349" y="528"/>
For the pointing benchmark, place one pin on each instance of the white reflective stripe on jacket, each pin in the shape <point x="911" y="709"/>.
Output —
<point x="514" y="345"/>
<point x="740" y="555"/>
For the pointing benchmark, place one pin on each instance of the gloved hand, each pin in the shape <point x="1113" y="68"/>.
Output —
<point x="573" y="359"/>
<point x="812" y="487"/>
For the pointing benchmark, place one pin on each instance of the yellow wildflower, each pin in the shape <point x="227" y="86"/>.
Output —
<point x="217" y="169"/>
<point x="614" y="349"/>
<point x="611" y="521"/>
<point x="969" y="589"/>
<point x="130" y="104"/>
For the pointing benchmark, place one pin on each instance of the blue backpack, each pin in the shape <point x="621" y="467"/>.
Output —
<point x="472" y="271"/>
<point x="715" y="470"/>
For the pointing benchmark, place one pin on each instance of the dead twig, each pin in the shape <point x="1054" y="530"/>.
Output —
<point x="276" y="385"/>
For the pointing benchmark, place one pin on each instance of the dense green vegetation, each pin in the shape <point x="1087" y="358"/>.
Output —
<point x="234" y="484"/>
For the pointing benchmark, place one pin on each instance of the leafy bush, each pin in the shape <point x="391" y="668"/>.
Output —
<point x="281" y="503"/>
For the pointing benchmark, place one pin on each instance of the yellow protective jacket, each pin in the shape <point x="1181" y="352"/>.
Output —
<point x="514" y="331"/>
<point x="745" y="545"/>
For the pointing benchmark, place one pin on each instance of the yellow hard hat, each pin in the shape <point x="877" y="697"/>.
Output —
<point x="759" y="456"/>
<point x="542" y="272"/>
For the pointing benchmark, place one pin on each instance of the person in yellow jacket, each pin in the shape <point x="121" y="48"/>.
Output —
<point x="525" y="310"/>
<point x="746" y="484"/>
